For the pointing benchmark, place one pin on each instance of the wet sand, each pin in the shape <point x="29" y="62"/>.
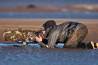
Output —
<point x="30" y="55"/>
<point x="50" y="8"/>
<point x="35" y="24"/>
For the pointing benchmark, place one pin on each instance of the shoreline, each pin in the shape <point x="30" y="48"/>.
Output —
<point x="50" y="8"/>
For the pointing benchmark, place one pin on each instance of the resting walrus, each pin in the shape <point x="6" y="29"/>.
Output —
<point x="70" y="33"/>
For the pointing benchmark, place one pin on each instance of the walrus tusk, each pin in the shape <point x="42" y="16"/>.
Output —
<point x="92" y="43"/>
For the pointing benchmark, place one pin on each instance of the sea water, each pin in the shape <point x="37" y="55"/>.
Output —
<point x="34" y="55"/>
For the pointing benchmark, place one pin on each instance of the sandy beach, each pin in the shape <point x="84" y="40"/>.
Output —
<point x="50" y="8"/>
<point x="31" y="14"/>
<point x="35" y="24"/>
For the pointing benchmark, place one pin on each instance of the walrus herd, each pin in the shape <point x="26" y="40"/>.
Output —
<point x="70" y="33"/>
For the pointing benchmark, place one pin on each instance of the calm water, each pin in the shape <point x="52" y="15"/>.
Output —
<point x="74" y="15"/>
<point x="43" y="56"/>
<point x="7" y="3"/>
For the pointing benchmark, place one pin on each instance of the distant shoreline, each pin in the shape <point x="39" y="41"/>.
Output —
<point x="51" y="8"/>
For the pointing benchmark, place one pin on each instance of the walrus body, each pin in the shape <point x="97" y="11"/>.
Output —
<point x="69" y="33"/>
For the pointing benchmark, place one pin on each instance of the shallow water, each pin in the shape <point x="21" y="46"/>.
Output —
<point x="60" y="45"/>
<point x="43" y="56"/>
<point x="74" y="15"/>
<point x="11" y="3"/>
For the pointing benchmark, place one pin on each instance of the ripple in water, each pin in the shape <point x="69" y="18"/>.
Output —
<point x="45" y="56"/>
